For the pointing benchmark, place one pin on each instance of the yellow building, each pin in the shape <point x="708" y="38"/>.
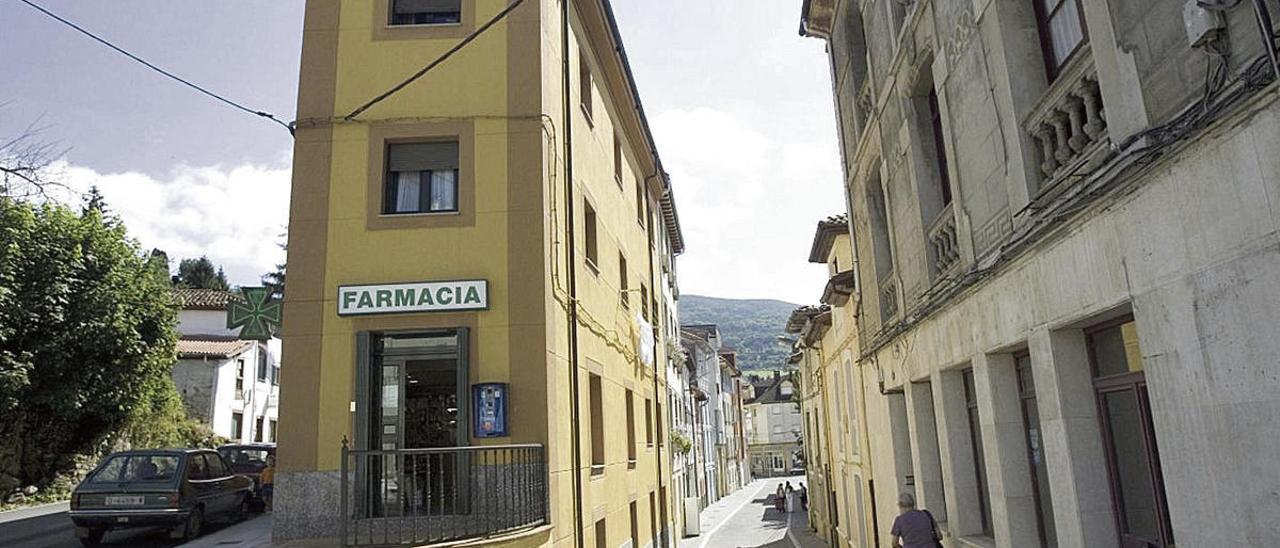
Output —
<point x="478" y="262"/>
<point x="845" y="418"/>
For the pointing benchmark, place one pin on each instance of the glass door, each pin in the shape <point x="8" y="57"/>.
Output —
<point x="417" y="400"/>
<point x="1133" y="458"/>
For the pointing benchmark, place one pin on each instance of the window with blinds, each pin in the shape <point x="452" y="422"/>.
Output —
<point x="421" y="178"/>
<point x="426" y="12"/>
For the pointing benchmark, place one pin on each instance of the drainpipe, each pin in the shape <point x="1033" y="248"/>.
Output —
<point x="575" y="412"/>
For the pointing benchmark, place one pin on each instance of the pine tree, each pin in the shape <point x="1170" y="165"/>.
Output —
<point x="201" y="274"/>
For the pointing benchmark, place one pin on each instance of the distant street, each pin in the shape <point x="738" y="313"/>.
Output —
<point x="49" y="526"/>
<point x="747" y="519"/>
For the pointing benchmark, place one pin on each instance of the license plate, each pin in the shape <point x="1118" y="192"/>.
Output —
<point x="122" y="519"/>
<point x="124" y="501"/>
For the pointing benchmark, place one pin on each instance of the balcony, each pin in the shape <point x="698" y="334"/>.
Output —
<point x="944" y="251"/>
<point x="1069" y="122"/>
<point x="427" y="496"/>
<point x="888" y="297"/>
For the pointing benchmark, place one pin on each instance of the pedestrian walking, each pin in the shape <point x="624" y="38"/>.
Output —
<point x="914" y="528"/>
<point x="804" y="497"/>
<point x="779" y="498"/>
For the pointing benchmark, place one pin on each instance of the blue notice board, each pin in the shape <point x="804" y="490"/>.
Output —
<point x="490" y="406"/>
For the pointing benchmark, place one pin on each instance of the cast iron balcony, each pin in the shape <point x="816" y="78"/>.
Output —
<point x="428" y="496"/>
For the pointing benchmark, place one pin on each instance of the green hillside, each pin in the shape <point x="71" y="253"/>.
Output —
<point x="750" y="326"/>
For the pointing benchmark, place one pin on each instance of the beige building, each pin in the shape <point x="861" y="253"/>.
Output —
<point x="481" y="282"/>
<point x="1065" y="263"/>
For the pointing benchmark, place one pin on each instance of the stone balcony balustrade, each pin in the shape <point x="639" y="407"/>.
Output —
<point x="1069" y="120"/>
<point x="944" y="249"/>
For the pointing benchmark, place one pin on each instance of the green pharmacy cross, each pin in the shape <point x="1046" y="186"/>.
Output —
<point x="258" y="314"/>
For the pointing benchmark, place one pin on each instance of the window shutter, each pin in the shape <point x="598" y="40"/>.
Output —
<point x="426" y="6"/>
<point x="422" y="156"/>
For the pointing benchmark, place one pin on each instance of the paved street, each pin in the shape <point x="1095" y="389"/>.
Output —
<point x="747" y="519"/>
<point x="49" y="527"/>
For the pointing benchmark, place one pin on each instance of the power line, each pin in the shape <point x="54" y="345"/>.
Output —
<point x="147" y="64"/>
<point x="462" y="43"/>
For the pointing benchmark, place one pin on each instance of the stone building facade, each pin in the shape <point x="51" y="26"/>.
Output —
<point x="1064" y="223"/>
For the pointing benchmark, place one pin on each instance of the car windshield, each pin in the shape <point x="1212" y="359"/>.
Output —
<point x="245" y="457"/>
<point x="139" y="468"/>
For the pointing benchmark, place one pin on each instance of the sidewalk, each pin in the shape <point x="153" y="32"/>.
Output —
<point x="251" y="533"/>
<point x="747" y="519"/>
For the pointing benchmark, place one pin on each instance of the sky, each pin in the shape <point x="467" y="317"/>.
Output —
<point x="739" y="103"/>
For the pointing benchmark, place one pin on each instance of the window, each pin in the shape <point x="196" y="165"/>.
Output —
<point x="640" y="202"/>
<point x="1061" y="32"/>
<point x="939" y="147"/>
<point x="421" y="178"/>
<point x="426" y="12"/>
<point x="662" y="438"/>
<point x="635" y="525"/>
<point x="262" y="364"/>
<point x="257" y="429"/>
<point x="596" y="393"/>
<point x="275" y="374"/>
<point x="617" y="160"/>
<point x="1133" y="457"/>
<point x="602" y="538"/>
<point x="630" y="402"/>
<point x="653" y="518"/>
<point x="240" y="379"/>
<point x="272" y="434"/>
<point x="878" y="214"/>
<point x="584" y="83"/>
<point x="1035" y="451"/>
<point x="622" y="280"/>
<point x="979" y="458"/>
<point x="589" y="237"/>
<point x="644" y="302"/>
<point x="215" y="466"/>
<point x="237" y="425"/>
<point x="648" y="422"/>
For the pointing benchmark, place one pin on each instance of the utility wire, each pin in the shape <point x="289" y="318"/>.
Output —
<point x="147" y="64"/>
<point x="474" y="34"/>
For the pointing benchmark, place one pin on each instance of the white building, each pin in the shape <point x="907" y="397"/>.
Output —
<point x="231" y="385"/>
<point x="773" y="426"/>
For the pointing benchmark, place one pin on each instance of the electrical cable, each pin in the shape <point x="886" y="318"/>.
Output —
<point x="442" y="58"/>
<point x="151" y="66"/>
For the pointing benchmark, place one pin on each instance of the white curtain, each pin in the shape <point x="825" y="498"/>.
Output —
<point x="444" y="190"/>
<point x="408" y="191"/>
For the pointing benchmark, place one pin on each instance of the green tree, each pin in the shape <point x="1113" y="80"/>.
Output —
<point x="87" y="336"/>
<point x="201" y="274"/>
<point x="274" y="280"/>
<point x="94" y="201"/>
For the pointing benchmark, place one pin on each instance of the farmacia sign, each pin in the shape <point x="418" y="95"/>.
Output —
<point x="413" y="297"/>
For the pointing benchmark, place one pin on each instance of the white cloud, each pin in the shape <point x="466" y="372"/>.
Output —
<point x="233" y="215"/>
<point x="749" y="201"/>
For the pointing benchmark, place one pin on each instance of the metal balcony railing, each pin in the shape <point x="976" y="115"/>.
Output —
<point x="426" y="496"/>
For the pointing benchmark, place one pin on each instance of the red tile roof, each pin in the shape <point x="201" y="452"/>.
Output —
<point x="204" y="299"/>
<point x="211" y="346"/>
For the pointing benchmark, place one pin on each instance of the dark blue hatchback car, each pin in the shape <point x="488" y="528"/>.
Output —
<point x="175" y="488"/>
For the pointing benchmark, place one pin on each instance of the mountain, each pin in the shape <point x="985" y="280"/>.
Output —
<point x="750" y="326"/>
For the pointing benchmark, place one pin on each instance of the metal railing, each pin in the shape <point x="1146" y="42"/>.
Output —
<point x="422" y="496"/>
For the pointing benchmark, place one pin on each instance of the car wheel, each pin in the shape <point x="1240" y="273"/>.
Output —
<point x="195" y="522"/>
<point x="94" y="537"/>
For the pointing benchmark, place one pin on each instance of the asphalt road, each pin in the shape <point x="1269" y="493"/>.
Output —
<point x="49" y="526"/>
